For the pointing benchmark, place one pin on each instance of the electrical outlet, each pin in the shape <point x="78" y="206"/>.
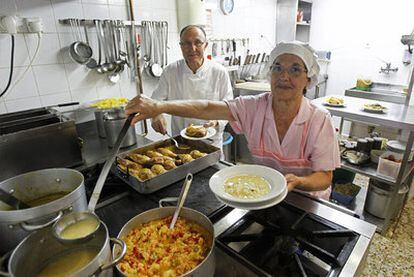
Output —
<point x="34" y="24"/>
<point x="12" y="24"/>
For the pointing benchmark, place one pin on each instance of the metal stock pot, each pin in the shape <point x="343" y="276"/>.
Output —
<point x="206" y="267"/>
<point x="17" y="224"/>
<point x="41" y="248"/>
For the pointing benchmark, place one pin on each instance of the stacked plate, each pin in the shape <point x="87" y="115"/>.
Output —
<point x="276" y="194"/>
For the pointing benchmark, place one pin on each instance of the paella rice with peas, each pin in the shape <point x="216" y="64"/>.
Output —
<point x="155" y="250"/>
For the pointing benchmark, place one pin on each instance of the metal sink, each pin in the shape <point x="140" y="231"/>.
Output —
<point x="380" y="91"/>
<point x="387" y="88"/>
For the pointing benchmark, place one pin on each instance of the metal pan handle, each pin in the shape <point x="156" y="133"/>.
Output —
<point x="116" y="260"/>
<point x="29" y="228"/>
<point x="165" y="200"/>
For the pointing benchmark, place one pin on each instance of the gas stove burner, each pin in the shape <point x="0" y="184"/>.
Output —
<point x="113" y="186"/>
<point x="286" y="241"/>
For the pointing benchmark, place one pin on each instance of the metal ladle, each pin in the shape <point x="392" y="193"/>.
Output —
<point x="70" y="219"/>
<point x="181" y="199"/>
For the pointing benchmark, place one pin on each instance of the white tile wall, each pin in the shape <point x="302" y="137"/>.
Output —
<point x="55" y="78"/>
<point x="21" y="56"/>
<point x="50" y="78"/>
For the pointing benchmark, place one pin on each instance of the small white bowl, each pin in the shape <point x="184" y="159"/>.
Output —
<point x="276" y="180"/>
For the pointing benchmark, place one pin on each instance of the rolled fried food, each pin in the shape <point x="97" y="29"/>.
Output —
<point x="145" y="174"/>
<point x="167" y="152"/>
<point x="196" y="131"/>
<point x="185" y="158"/>
<point x="169" y="164"/>
<point x="197" y="154"/>
<point x="127" y="165"/>
<point x="159" y="160"/>
<point x="158" y="169"/>
<point x="152" y="154"/>
<point x="141" y="159"/>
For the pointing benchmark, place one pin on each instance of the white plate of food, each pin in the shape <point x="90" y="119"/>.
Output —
<point x="375" y="108"/>
<point x="197" y="132"/>
<point x="247" y="183"/>
<point x="334" y="102"/>
<point x="255" y="206"/>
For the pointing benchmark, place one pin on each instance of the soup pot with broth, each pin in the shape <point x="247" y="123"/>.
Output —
<point x="41" y="254"/>
<point x="49" y="192"/>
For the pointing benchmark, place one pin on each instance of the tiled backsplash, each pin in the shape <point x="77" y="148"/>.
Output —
<point x="54" y="78"/>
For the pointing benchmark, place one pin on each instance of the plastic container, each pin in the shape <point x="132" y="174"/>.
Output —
<point x="342" y="176"/>
<point x="375" y="155"/>
<point x="377" y="143"/>
<point x="345" y="198"/>
<point x="362" y="145"/>
<point x="387" y="167"/>
<point x="399" y="147"/>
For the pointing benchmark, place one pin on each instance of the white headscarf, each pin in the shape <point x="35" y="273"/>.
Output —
<point x="303" y="51"/>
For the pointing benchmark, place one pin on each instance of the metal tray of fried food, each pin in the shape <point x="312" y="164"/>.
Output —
<point x="173" y="175"/>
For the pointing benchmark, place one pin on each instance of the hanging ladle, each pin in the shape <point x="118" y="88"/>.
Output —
<point x="75" y="228"/>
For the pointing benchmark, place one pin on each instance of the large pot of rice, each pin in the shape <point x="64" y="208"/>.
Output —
<point x="154" y="249"/>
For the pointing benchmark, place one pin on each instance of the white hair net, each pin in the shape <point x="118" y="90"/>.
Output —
<point x="303" y="51"/>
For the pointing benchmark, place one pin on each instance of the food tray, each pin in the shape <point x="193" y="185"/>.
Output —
<point x="173" y="175"/>
<point x="346" y="199"/>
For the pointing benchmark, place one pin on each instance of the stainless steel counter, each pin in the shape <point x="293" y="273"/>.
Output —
<point x="397" y="115"/>
<point x="398" y="98"/>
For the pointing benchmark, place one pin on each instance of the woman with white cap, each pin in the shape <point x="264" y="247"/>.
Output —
<point x="284" y="129"/>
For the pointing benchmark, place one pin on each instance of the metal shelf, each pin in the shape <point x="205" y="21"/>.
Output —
<point x="371" y="171"/>
<point x="397" y="116"/>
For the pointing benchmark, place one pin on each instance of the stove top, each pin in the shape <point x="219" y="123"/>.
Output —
<point x="286" y="241"/>
<point x="298" y="237"/>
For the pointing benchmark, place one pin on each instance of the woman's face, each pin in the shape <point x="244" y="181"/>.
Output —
<point x="288" y="77"/>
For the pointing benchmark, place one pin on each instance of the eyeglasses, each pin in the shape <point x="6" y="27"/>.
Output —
<point x="189" y="44"/>
<point x="294" y="71"/>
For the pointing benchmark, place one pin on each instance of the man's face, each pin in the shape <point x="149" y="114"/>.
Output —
<point x="193" y="43"/>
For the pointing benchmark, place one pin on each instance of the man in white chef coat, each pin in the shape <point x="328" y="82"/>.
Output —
<point x="193" y="77"/>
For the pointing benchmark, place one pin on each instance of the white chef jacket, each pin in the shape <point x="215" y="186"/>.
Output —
<point x="178" y="82"/>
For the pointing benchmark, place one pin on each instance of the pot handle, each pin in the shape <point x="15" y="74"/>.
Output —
<point x="167" y="199"/>
<point x="29" y="228"/>
<point x="115" y="261"/>
<point x="2" y="261"/>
